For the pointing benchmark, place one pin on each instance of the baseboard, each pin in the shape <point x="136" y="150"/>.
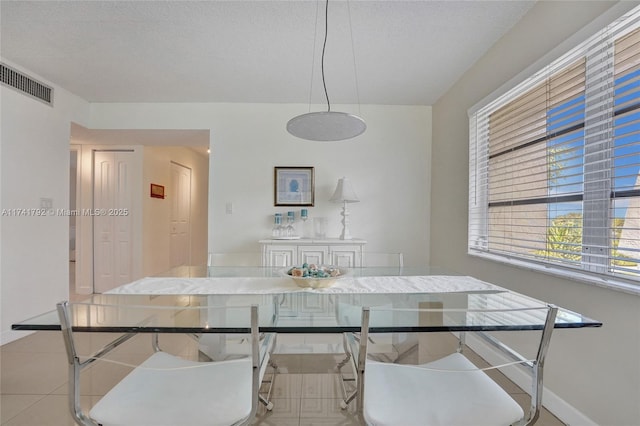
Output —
<point x="9" y="336"/>
<point x="567" y="413"/>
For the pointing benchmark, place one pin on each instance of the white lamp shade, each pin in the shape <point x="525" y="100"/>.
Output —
<point x="344" y="192"/>
<point x="326" y="126"/>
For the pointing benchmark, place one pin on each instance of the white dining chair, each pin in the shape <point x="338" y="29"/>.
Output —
<point x="380" y="260"/>
<point x="220" y="347"/>
<point x="165" y="389"/>
<point x="383" y="345"/>
<point x="234" y="259"/>
<point x="216" y="347"/>
<point x="449" y="391"/>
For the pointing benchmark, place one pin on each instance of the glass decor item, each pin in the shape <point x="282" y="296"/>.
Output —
<point x="307" y="225"/>
<point x="276" y="232"/>
<point x="290" y="230"/>
<point x="320" y="227"/>
<point x="284" y="227"/>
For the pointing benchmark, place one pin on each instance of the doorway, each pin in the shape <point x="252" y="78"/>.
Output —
<point x="180" y="220"/>
<point x="154" y="150"/>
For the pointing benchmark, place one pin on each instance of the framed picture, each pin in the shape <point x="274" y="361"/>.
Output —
<point x="157" y="191"/>
<point x="293" y="186"/>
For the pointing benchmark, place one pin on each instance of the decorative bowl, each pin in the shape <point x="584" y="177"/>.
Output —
<point x="315" y="276"/>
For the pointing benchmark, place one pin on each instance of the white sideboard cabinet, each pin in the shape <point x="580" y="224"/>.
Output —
<point x="326" y="251"/>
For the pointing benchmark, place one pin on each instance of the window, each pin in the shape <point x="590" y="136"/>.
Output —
<point x="555" y="163"/>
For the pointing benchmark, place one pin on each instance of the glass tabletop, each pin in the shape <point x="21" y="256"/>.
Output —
<point x="185" y="271"/>
<point x="306" y="312"/>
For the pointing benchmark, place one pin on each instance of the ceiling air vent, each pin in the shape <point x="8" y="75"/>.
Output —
<point x="26" y="84"/>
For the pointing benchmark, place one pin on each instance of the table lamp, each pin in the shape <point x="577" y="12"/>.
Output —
<point x="344" y="194"/>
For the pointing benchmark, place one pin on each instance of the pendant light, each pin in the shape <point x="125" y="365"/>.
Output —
<point x="327" y="125"/>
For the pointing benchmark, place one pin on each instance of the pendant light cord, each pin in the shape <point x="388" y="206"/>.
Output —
<point x="324" y="46"/>
<point x="313" y="57"/>
<point x="353" y="51"/>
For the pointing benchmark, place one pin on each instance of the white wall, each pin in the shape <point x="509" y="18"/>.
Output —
<point x="35" y="164"/>
<point x="157" y="212"/>
<point x="388" y="166"/>
<point x="595" y="370"/>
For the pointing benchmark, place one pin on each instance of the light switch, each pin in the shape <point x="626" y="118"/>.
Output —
<point x="229" y="208"/>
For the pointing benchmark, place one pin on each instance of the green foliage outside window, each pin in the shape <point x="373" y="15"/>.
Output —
<point x="564" y="240"/>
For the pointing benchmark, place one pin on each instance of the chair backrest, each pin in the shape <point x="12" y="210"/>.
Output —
<point x="375" y="259"/>
<point x="540" y="317"/>
<point x="234" y="259"/>
<point x="133" y="319"/>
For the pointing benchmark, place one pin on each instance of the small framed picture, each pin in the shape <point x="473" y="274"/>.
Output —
<point x="157" y="191"/>
<point x="293" y="186"/>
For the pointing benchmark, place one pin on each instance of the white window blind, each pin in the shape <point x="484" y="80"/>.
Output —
<point x="554" y="162"/>
<point x="625" y="179"/>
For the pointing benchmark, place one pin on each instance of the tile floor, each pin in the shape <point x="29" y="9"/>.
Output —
<point x="34" y="387"/>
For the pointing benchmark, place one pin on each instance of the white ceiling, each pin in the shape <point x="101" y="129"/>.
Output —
<point x="406" y="52"/>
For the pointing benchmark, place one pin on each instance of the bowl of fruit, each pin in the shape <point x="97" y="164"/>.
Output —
<point x="315" y="276"/>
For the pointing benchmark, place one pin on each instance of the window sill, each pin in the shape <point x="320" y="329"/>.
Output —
<point x="629" y="287"/>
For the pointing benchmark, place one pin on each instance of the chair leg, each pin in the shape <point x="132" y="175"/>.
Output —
<point x="155" y="342"/>
<point x="346" y="396"/>
<point x="271" y="341"/>
<point x="266" y="400"/>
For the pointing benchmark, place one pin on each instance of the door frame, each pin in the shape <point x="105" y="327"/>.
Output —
<point x="79" y="259"/>
<point x="84" y="223"/>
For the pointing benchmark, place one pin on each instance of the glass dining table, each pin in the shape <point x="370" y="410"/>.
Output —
<point x="390" y="300"/>
<point x="455" y="303"/>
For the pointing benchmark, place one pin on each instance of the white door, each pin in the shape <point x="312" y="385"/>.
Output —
<point x="180" y="221"/>
<point x="112" y="221"/>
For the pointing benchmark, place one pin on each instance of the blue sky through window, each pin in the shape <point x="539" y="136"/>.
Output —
<point x="566" y="156"/>
<point x="566" y="152"/>
<point x="626" y="139"/>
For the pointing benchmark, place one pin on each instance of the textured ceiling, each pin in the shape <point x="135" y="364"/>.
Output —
<point x="406" y="52"/>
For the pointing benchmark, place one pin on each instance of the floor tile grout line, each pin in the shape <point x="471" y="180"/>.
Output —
<point x="25" y="408"/>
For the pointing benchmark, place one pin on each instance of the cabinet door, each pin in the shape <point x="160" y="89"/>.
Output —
<point x="318" y="255"/>
<point x="288" y="305"/>
<point x="346" y="256"/>
<point x="305" y="305"/>
<point x="319" y="306"/>
<point x="281" y="255"/>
